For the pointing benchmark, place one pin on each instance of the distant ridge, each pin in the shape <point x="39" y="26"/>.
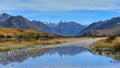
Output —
<point x="102" y="28"/>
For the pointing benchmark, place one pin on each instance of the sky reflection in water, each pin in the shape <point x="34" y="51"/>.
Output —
<point x="65" y="57"/>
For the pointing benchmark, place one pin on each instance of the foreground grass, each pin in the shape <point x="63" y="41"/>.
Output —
<point x="109" y="43"/>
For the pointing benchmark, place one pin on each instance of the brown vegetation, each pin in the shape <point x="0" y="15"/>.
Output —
<point x="111" y="42"/>
<point x="13" y="36"/>
<point x="106" y="32"/>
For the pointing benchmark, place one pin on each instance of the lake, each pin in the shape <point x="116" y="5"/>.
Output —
<point x="59" y="57"/>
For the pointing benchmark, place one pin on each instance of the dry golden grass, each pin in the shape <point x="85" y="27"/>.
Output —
<point x="106" y="43"/>
<point x="15" y="32"/>
<point x="22" y="38"/>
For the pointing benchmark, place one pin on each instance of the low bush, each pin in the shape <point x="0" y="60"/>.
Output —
<point x="110" y="39"/>
<point x="117" y="46"/>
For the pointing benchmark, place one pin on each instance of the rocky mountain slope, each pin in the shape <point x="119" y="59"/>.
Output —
<point x="62" y="28"/>
<point x="102" y="28"/>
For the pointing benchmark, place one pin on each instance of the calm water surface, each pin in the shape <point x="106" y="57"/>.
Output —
<point x="64" y="57"/>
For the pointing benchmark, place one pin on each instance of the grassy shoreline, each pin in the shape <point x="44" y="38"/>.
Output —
<point x="111" y="43"/>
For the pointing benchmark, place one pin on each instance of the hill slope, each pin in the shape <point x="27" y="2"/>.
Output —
<point x="21" y="33"/>
<point x="15" y="38"/>
<point x="102" y="28"/>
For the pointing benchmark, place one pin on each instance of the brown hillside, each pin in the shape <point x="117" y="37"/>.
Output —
<point x="15" y="32"/>
<point x="106" y="32"/>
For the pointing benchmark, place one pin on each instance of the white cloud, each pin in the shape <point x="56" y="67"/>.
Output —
<point x="59" y="5"/>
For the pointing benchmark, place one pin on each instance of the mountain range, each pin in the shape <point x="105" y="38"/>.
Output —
<point x="67" y="28"/>
<point x="62" y="28"/>
<point x="102" y="28"/>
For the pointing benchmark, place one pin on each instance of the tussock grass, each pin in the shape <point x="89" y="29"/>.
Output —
<point x="111" y="42"/>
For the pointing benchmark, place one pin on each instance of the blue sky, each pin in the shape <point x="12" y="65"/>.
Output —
<point x="81" y="11"/>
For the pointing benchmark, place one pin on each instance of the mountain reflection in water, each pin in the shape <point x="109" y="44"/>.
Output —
<point x="21" y="55"/>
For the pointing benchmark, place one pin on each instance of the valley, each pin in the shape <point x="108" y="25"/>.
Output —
<point x="60" y="34"/>
<point x="19" y="32"/>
